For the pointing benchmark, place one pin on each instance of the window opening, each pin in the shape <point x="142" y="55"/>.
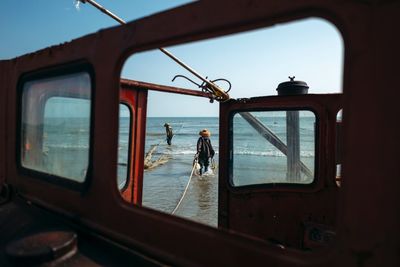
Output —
<point x="169" y="161"/>
<point x="125" y="128"/>
<point x="273" y="147"/>
<point x="254" y="62"/>
<point x="56" y="126"/>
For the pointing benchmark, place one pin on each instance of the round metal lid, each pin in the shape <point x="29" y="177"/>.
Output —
<point x="292" y="87"/>
<point x="42" y="247"/>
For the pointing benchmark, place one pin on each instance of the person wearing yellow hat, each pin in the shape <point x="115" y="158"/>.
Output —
<point x="205" y="150"/>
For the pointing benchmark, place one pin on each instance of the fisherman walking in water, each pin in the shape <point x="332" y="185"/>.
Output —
<point x="168" y="131"/>
<point x="205" y="150"/>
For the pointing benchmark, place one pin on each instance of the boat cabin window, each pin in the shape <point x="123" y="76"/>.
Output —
<point x="125" y="116"/>
<point x="271" y="147"/>
<point x="248" y="65"/>
<point x="171" y="182"/>
<point x="55" y="128"/>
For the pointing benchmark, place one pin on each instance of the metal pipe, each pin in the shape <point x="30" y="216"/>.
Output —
<point x="105" y="11"/>
<point x="219" y="93"/>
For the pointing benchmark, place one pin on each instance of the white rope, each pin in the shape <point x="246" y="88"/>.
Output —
<point x="186" y="188"/>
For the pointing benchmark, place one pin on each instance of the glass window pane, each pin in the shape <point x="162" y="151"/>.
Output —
<point x="56" y="126"/>
<point x="273" y="147"/>
<point x="123" y="146"/>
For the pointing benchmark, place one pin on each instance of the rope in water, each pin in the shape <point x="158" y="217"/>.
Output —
<point x="190" y="178"/>
<point x="186" y="188"/>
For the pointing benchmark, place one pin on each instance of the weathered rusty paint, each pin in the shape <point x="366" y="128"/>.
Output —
<point x="367" y="211"/>
<point x="129" y="98"/>
<point x="278" y="213"/>
<point x="140" y="132"/>
<point x="134" y="94"/>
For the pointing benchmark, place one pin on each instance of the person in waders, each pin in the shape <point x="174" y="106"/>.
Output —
<point x="168" y="131"/>
<point x="205" y="150"/>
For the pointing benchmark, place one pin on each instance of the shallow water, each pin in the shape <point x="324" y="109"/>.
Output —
<point x="255" y="161"/>
<point x="164" y="186"/>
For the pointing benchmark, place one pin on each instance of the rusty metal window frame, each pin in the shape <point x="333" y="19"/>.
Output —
<point x="128" y="166"/>
<point x="54" y="72"/>
<point x="276" y="186"/>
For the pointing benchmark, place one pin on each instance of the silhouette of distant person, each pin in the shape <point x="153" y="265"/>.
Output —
<point x="168" y="131"/>
<point x="205" y="150"/>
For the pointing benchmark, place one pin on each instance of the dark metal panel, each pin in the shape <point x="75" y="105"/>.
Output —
<point x="129" y="98"/>
<point x="369" y="202"/>
<point x="25" y="220"/>
<point x="4" y="68"/>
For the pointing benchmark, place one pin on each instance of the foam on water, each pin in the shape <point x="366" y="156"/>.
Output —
<point x="253" y="158"/>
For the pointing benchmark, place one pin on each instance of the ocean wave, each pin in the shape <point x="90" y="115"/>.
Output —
<point x="181" y="152"/>
<point x="203" y="125"/>
<point x="178" y="152"/>
<point x="155" y="134"/>
<point x="272" y="153"/>
<point x="66" y="146"/>
<point x="195" y="134"/>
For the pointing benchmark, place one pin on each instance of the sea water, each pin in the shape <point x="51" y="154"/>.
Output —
<point x="164" y="184"/>
<point x="255" y="161"/>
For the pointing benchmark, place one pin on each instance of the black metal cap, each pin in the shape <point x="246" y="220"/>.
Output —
<point x="44" y="247"/>
<point x="292" y="87"/>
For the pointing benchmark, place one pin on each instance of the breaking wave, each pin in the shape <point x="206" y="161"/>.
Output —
<point x="65" y="146"/>
<point x="272" y="153"/>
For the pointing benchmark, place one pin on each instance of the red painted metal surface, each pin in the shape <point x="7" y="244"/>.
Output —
<point x="140" y="128"/>
<point x="130" y="190"/>
<point x="134" y="94"/>
<point x="279" y="213"/>
<point x="367" y="219"/>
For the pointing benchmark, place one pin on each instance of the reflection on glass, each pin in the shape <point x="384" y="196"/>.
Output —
<point x="273" y="147"/>
<point x="56" y="126"/>
<point x="123" y="145"/>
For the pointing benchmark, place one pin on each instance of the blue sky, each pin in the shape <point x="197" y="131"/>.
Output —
<point x="30" y="25"/>
<point x="255" y="62"/>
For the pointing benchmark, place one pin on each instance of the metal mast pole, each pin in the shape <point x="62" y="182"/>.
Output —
<point x="219" y="93"/>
